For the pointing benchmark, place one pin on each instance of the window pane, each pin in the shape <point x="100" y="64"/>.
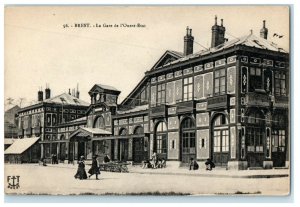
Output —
<point x="258" y="71"/>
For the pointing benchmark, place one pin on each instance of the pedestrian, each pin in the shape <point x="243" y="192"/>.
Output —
<point x="55" y="159"/>
<point x="52" y="159"/>
<point x="81" y="174"/>
<point x="145" y="163"/>
<point x="95" y="168"/>
<point x="106" y="158"/>
<point x="154" y="159"/>
<point x="193" y="164"/>
<point x="209" y="164"/>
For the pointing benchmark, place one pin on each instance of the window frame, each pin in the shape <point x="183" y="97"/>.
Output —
<point x="220" y="82"/>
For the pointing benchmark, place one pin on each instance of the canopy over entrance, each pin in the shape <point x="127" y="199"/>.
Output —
<point x="85" y="134"/>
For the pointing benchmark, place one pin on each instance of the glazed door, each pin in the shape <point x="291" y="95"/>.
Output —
<point x="278" y="148"/>
<point x="220" y="147"/>
<point x="188" y="146"/>
<point x="138" y="150"/>
<point x="123" y="150"/>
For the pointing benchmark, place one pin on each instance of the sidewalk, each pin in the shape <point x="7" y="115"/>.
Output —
<point x="216" y="172"/>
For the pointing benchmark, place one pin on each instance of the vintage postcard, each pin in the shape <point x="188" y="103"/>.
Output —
<point x="147" y="100"/>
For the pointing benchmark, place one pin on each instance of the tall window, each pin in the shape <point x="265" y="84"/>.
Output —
<point x="279" y="119"/>
<point x="188" y="89"/>
<point x="161" y="138"/>
<point x="99" y="123"/>
<point x="254" y="139"/>
<point x="188" y="136"/>
<point x="255" y="132"/>
<point x="255" y="118"/>
<point x="255" y="79"/>
<point x="220" y="80"/>
<point x="280" y="84"/>
<point x="278" y="140"/>
<point x="161" y="94"/>
<point x="221" y="134"/>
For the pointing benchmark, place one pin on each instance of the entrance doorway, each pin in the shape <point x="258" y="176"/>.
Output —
<point x="123" y="149"/>
<point x="138" y="149"/>
<point x="220" y="141"/>
<point x="188" y="140"/>
<point x="138" y="153"/>
<point x="278" y="147"/>
<point x="81" y="149"/>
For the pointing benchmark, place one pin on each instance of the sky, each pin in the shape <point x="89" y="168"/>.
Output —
<point x="39" y="50"/>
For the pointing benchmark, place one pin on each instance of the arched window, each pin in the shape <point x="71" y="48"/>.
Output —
<point x="161" y="138"/>
<point x="123" y="132"/>
<point x="188" y="140"/>
<point x="220" y="120"/>
<point x="139" y="130"/>
<point x="99" y="123"/>
<point x="220" y="135"/>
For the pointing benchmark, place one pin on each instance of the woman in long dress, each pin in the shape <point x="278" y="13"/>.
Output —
<point x="95" y="168"/>
<point x="81" y="174"/>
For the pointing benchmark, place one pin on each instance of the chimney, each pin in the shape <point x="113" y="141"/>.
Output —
<point x="47" y="92"/>
<point x="69" y="91"/>
<point x="218" y="33"/>
<point x="264" y="31"/>
<point x="188" y="42"/>
<point x="40" y="95"/>
<point x="77" y="92"/>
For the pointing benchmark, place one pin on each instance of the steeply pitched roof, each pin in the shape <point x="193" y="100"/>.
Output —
<point x="15" y="108"/>
<point x="66" y="99"/>
<point x="20" y="145"/>
<point x="167" y="57"/>
<point x="248" y="40"/>
<point x="107" y="87"/>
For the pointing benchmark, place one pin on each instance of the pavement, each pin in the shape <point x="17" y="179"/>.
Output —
<point x="216" y="172"/>
<point x="59" y="180"/>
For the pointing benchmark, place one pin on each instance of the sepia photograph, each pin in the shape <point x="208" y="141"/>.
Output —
<point x="147" y="100"/>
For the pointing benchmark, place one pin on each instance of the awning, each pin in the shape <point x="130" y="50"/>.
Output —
<point x="9" y="140"/>
<point x="21" y="145"/>
<point x="85" y="133"/>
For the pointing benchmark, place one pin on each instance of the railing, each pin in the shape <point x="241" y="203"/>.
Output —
<point x="217" y="102"/>
<point x="159" y="111"/>
<point x="257" y="100"/>
<point x="187" y="106"/>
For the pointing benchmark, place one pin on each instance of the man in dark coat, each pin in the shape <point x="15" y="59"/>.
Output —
<point x="193" y="164"/>
<point x="81" y="174"/>
<point x="95" y="168"/>
<point x="209" y="164"/>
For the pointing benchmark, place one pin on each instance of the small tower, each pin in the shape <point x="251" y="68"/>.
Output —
<point x="264" y="31"/>
<point x="188" y="42"/>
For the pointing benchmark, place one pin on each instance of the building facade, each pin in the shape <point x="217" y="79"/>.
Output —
<point x="43" y="120"/>
<point x="229" y="103"/>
